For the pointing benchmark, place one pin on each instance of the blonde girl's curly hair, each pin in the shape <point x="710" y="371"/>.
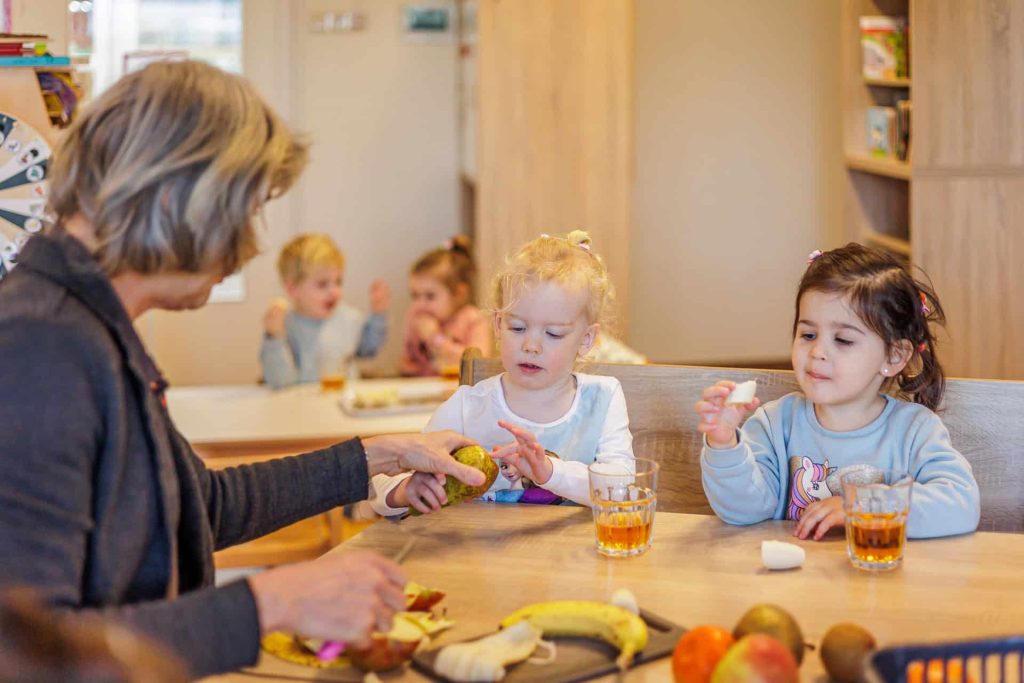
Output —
<point x="569" y="261"/>
<point x="170" y="165"/>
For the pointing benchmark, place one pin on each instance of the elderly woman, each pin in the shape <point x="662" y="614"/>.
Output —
<point x="103" y="504"/>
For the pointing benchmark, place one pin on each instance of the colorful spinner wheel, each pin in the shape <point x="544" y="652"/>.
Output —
<point x="24" y="157"/>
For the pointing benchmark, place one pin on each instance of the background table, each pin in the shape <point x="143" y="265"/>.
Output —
<point x="492" y="559"/>
<point x="238" y="425"/>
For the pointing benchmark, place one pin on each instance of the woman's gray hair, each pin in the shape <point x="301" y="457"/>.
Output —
<point x="170" y="165"/>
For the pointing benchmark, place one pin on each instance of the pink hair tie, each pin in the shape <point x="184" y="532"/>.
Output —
<point x="924" y="304"/>
<point x="813" y="255"/>
<point x="922" y="347"/>
<point x="585" y="246"/>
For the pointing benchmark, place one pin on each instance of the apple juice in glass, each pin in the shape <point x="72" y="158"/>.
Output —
<point x="624" y="497"/>
<point x="876" y="503"/>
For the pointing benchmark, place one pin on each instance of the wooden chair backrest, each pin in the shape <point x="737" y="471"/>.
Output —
<point x="985" y="420"/>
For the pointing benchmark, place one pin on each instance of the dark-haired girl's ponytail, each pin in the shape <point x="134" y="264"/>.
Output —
<point x="927" y="386"/>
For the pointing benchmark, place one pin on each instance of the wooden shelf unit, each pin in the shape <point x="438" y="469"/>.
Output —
<point x="956" y="210"/>
<point x="890" y="168"/>
<point x="878" y="189"/>
<point x="887" y="82"/>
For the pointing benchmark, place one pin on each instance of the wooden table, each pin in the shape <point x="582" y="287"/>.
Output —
<point x="237" y="425"/>
<point x="248" y="420"/>
<point x="492" y="559"/>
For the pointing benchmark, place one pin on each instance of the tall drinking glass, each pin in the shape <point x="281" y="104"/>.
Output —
<point x="624" y="497"/>
<point x="876" y="503"/>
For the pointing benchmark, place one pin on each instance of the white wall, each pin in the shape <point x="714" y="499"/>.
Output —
<point x="738" y="172"/>
<point x="381" y="113"/>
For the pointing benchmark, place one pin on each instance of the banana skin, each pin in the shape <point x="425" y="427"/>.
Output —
<point x="588" y="619"/>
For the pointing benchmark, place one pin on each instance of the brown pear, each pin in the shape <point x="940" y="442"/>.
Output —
<point x="776" y="622"/>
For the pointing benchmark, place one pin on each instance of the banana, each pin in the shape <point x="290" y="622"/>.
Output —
<point x="600" y="620"/>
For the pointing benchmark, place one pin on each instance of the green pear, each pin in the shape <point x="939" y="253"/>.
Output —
<point x="457" y="492"/>
<point x="776" y="622"/>
<point x="477" y="458"/>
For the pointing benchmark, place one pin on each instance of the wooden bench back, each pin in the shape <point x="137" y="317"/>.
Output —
<point x="985" y="420"/>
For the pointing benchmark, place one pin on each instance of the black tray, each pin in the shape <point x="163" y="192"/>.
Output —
<point x="579" y="659"/>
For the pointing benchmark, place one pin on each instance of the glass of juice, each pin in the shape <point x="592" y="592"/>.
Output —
<point x="876" y="503"/>
<point x="623" y="496"/>
<point x="334" y="372"/>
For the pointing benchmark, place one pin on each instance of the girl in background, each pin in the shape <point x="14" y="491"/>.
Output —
<point x="442" y="322"/>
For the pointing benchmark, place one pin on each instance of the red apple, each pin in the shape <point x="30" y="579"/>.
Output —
<point x="388" y="650"/>
<point x="756" y="658"/>
<point x="420" y="598"/>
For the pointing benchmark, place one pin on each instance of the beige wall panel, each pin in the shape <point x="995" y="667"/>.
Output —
<point x="968" y="70"/>
<point x="739" y="172"/>
<point x="49" y="17"/>
<point x="555" y="139"/>
<point x="971" y="243"/>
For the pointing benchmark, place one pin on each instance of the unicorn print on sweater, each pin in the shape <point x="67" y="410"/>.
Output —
<point x="807" y="484"/>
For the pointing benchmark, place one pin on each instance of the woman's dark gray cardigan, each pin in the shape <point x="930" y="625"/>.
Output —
<point x="103" y="504"/>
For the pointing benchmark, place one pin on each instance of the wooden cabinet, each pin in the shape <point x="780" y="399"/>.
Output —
<point x="958" y="208"/>
<point x="555" y="138"/>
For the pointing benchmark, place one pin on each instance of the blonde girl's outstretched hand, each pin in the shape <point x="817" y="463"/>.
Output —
<point x="718" y="420"/>
<point x="525" y="453"/>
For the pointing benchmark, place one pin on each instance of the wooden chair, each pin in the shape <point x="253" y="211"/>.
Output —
<point x="985" y="420"/>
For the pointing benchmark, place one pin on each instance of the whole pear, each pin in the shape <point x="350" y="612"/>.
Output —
<point x="475" y="457"/>
<point x="844" y="652"/>
<point x="757" y="658"/>
<point x="775" y="622"/>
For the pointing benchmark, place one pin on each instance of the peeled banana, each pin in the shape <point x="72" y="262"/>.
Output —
<point x="584" y="618"/>
<point x="486" y="659"/>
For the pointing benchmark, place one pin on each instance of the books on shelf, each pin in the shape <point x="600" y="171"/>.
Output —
<point x="883" y="42"/>
<point x="881" y="129"/>
<point x="903" y="136"/>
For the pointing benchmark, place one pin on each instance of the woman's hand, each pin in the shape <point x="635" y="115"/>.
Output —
<point x="342" y="596"/>
<point x="526" y="454"/>
<point x="429" y="452"/>
<point x="718" y="420"/>
<point x="819" y="517"/>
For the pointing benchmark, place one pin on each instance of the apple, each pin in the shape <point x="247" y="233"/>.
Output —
<point x="391" y="649"/>
<point x="756" y="658"/>
<point x="420" y="598"/>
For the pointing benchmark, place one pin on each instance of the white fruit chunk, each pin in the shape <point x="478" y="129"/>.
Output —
<point x="779" y="555"/>
<point x="743" y="393"/>
<point x="625" y="599"/>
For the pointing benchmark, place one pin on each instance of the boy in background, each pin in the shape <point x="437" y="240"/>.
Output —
<point x="314" y="333"/>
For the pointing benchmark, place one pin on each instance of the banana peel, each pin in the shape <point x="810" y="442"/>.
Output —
<point x="287" y="647"/>
<point x="583" y="618"/>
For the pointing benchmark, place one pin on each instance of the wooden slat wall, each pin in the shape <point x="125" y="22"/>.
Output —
<point x="967" y="198"/>
<point x="555" y="138"/>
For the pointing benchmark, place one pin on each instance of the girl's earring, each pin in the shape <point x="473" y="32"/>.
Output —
<point x="885" y="371"/>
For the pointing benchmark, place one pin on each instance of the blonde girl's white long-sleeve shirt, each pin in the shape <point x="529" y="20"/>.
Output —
<point x="595" y="428"/>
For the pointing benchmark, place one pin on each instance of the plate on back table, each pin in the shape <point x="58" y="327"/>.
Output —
<point x="380" y="401"/>
<point x="578" y="659"/>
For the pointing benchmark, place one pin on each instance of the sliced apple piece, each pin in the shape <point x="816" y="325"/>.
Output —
<point x="420" y="598"/>
<point x="388" y="650"/>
